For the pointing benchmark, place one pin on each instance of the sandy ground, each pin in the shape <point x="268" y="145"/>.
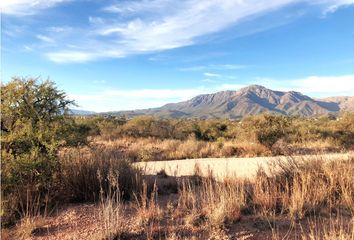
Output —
<point x="227" y="167"/>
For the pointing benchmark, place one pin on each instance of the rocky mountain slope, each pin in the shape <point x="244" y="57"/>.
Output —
<point x="251" y="100"/>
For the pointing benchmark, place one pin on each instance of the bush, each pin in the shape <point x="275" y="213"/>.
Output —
<point x="35" y="123"/>
<point x="267" y="129"/>
<point x="85" y="174"/>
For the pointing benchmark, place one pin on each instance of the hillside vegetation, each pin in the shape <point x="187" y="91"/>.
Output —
<point x="147" y="138"/>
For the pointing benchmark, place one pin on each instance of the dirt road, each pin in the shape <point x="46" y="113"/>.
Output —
<point x="226" y="167"/>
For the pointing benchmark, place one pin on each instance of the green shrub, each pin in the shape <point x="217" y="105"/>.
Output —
<point x="266" y="129"/>
<point x="34" y="125"/>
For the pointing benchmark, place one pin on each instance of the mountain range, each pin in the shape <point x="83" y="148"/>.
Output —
<point x="251" y="100"/>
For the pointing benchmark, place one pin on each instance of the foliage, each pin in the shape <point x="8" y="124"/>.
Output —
<point x="267" y="129"/>
<point x="35" y="123"/>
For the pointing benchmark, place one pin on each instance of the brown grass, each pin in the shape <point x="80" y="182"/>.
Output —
<point x="295" y="200"/>
<point x="309" y="198"/>
<point x="152" y="149"/>
<point x="85" y="172"/>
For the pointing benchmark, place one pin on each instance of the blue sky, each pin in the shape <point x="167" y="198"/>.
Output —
<point x="125" y="54"/>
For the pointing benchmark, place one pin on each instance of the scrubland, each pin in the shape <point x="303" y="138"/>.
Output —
<point x="66" y="177"/>
<point x="302" y="199"/>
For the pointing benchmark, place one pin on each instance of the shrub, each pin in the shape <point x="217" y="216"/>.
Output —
<point x="267" y="129"/>
<point x="34" y="125"/>
<point x="86" y="174"/>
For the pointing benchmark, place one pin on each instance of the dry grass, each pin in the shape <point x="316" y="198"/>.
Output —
<point x="80" y="168"/>
<point x="314" y="198"/>
<point x="152" y="149"/>
<point x="334" y="229"/>
<point x="296" y="200"/>
<point x="219" y="203"/>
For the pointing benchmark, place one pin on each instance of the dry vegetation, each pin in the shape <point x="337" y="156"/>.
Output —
<point x="307" y="200"/>
<point x="297" y="200"/>
<point x="150" y="139"/>
<point x="153" y="149"/>
<point x="48" y="165"/>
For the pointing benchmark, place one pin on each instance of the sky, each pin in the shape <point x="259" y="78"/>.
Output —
<point x="112" y="55"/>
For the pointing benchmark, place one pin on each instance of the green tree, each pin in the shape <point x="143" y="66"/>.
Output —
<point x="267" y="128"/>
<point x="35" y="124"/>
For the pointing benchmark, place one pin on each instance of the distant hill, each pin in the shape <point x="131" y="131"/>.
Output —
<point x="344" y="103"/>
<point x="78" y="112"/>
<point x="251" y="100"/>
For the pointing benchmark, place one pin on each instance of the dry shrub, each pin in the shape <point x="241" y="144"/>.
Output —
<point x="265" y="194"/>
<point x="28" y="226"/>
<point x="218" y="203"/>
<point x="79" y="168"/>
<point x="112" y="208"/>
<point x="147" y="208"/>
<point x="305" y="187"/>
<point x="152" y="149"/>
<point x="330" y="230"/>
<point x="292" y="190"/>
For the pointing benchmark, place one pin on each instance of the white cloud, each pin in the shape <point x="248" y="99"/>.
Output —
<point x="325" y="84"/>
<point x="45" y="38"/>
<point x="123" y="99"/>
<point x="83" y="56"/>
<point x="145" y="26"/>
<point x="63" y="57"/>
<point x="334" y="5"/>
<point x="156" y="93"/>
<point x="217" y="76"/>
<point x="113" y="99"/>
<point x="208" y="74"/>
<point x="59" y="29"/>
<point x="213" y="67"/>
<point x="26" y="7"/>
<point x="28" y="48"/>
<point x="313" y="85"/>
<point x="156" y="25"/>
<point x="95" y="20"/>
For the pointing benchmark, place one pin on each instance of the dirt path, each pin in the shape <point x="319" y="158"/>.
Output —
<point x="226" y="167"/>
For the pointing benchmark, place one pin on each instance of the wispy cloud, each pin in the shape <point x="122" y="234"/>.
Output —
<point x="59" y="29"/>
<point x="214" y="67"/>
<point x="334" y="5"/>
<point x="165" y="24"/>
<point x="45" y="38"/>
<point x="27" y="7"/>
<point x="212" y="77"/>
<point x="208" y="74"/>
<point x="72" y="56"/>
<point x="145" y="26"/>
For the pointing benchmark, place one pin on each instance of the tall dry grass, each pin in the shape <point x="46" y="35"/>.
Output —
<point x="219" y="203"/>
<point x="85" y="173"/>
<point x="315" y="198"/>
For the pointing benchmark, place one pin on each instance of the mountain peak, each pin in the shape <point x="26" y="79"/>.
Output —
<point x="253" y="87"/>
<point x="250" y="100"/>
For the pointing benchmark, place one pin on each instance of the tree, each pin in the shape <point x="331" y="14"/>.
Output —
<point x="35" y="124"/>
<point x="267" y="128"/>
